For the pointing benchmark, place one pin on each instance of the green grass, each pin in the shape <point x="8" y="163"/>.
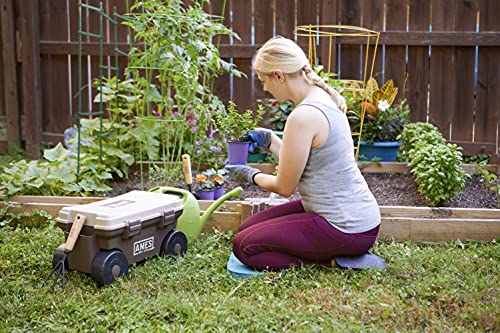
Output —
<point x="441" y="287"/>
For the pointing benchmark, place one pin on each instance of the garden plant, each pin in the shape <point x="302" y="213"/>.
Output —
<point x="435" y="164"/>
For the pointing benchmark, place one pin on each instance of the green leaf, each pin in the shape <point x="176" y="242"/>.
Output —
<point x="58" y="153"/>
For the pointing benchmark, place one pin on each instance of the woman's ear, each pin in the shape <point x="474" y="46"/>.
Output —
<point x="278" y="75"/>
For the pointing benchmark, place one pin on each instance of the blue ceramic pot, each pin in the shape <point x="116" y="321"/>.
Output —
<point x="382" y="151"/>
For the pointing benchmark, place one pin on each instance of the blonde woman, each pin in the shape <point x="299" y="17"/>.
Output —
<point x="337" y="214"/>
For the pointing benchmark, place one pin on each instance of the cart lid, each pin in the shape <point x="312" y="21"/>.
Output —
<point x="115" y="213"/>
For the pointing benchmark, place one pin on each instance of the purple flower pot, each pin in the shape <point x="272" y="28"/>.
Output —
<point x="206" y="195"/>
<point x="219" y="192"/>
<point x="237" y="152"/>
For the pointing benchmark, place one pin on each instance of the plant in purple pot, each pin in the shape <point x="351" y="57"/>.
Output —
<point x="232" y="126"/>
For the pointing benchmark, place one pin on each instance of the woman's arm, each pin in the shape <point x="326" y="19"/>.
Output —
<point x="301" y="129"/>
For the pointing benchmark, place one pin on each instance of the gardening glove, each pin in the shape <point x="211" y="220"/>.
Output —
<point x="242" y="173"/>
<point x="260" y="137"/>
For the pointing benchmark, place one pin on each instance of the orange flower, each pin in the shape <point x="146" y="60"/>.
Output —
<point x="218" y="178"/>
<point x="200" y="178"/>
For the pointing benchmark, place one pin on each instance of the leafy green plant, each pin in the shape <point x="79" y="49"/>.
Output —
<point x="56" y="174"/>
<point x="278" y="112"/>
<point x="489" y="180"/>
<point x="210" y="151"/>
<point x="419" y="133"/>
<point x="436" y="165"/>
<point x="232" y="124"/>
<point x="384" y="124"/>
<point x="173" y="48"/>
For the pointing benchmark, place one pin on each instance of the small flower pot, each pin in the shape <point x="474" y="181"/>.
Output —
<point x="206" y="195"/>
<point x="237" y="152"/>
<point x="382" y="151"/>
<point x="219" y="192"/>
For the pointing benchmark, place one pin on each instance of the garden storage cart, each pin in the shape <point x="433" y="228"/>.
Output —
<point x="120" y="231"/>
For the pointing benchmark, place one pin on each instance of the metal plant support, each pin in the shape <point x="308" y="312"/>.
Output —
<point x="317" y="34"/>
<point x="114" y="21"/>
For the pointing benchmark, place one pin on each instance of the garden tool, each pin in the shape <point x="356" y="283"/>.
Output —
<point x="68" y="246"/>
<point x="190" y="222"/>
<point x="188" y="178"/>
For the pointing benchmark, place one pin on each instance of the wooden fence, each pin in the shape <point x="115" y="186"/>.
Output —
<point x="444" y="55"/>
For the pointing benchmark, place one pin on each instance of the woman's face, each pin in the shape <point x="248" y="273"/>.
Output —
<point x="273" y="84"/>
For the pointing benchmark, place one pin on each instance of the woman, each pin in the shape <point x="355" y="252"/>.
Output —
<point x="337" y="214"/>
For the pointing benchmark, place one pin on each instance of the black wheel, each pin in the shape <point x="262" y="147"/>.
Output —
<point x="175" y="244"/>
<point x="58" y="257"/>
<point x="107" y="266"/>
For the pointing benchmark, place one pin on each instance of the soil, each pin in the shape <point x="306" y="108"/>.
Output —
<point x="390" y="189"/>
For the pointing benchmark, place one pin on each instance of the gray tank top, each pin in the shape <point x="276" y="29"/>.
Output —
<point x="332" y="185"/>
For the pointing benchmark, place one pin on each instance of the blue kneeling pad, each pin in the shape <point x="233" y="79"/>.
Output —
<point x="363" y="261"/>
<point x="238" y="269"/>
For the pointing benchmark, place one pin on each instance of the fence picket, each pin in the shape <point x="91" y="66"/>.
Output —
<point x="440" y="84"/>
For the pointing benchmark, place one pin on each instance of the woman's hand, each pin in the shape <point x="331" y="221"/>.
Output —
<point x="260" y="137"/>
<point x="242" y="173"/>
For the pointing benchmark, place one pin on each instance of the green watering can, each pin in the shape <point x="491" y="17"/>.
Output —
<point x="190" y="222"/>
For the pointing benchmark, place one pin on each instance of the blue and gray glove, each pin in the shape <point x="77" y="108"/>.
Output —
<point x="260" y="137"/>
<point x="242" y="173"/>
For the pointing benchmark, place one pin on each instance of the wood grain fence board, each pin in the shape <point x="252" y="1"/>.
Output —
<point x="263" y="20"/>
<point x="31" y="82"/>
<point x="395" y="56"/>
<point x="242" y="25"/>
<point x="54" y="69"/>
<point x="349" y="13"/>
<point x="463" y="77"/>
<point x="307" y="11"/>
<point x="442" y="99"/>
<point x="9" y="106"/>
<point x="285" y="17"/>
<point x="216" y="8"/>
<point x="373" y="19"/>
<point x="328" y="15"/>
<point x="221" y="87"/>
<point x="488" y="78"/>
<point x="418" y="62"/>
<point x="263" y="30"/>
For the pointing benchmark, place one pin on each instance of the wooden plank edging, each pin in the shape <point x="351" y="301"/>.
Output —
<point x="398" y="222"/>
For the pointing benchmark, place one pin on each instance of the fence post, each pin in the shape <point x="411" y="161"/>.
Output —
<point x="11" y="104"/>
<point x="31" y="89"/>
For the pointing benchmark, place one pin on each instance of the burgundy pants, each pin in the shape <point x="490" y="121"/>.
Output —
<point x="285" y="235"/>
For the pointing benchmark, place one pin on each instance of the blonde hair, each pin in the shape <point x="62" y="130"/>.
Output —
<point x="282" y="54"/>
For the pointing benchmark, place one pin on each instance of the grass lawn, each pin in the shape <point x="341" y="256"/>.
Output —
<point x="451" y="287"/>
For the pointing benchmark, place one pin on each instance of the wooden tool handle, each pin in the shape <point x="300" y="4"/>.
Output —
<point x="186" y="168"/>
<point x="78" y="223"/>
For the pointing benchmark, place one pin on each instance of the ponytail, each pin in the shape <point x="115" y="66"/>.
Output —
<point x="334" y="94"/>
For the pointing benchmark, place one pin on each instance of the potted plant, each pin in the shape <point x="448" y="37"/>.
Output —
<point x="384" y="120"/>
<point x="205" y="187"/>
<point x="217" y="177"/>
<point x="232" y="126"/>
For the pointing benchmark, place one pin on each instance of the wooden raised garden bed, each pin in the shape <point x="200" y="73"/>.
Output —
<point x="419" y="224"/>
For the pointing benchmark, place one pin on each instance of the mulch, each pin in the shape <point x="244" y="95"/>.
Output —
<point x="390" y="189"/>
